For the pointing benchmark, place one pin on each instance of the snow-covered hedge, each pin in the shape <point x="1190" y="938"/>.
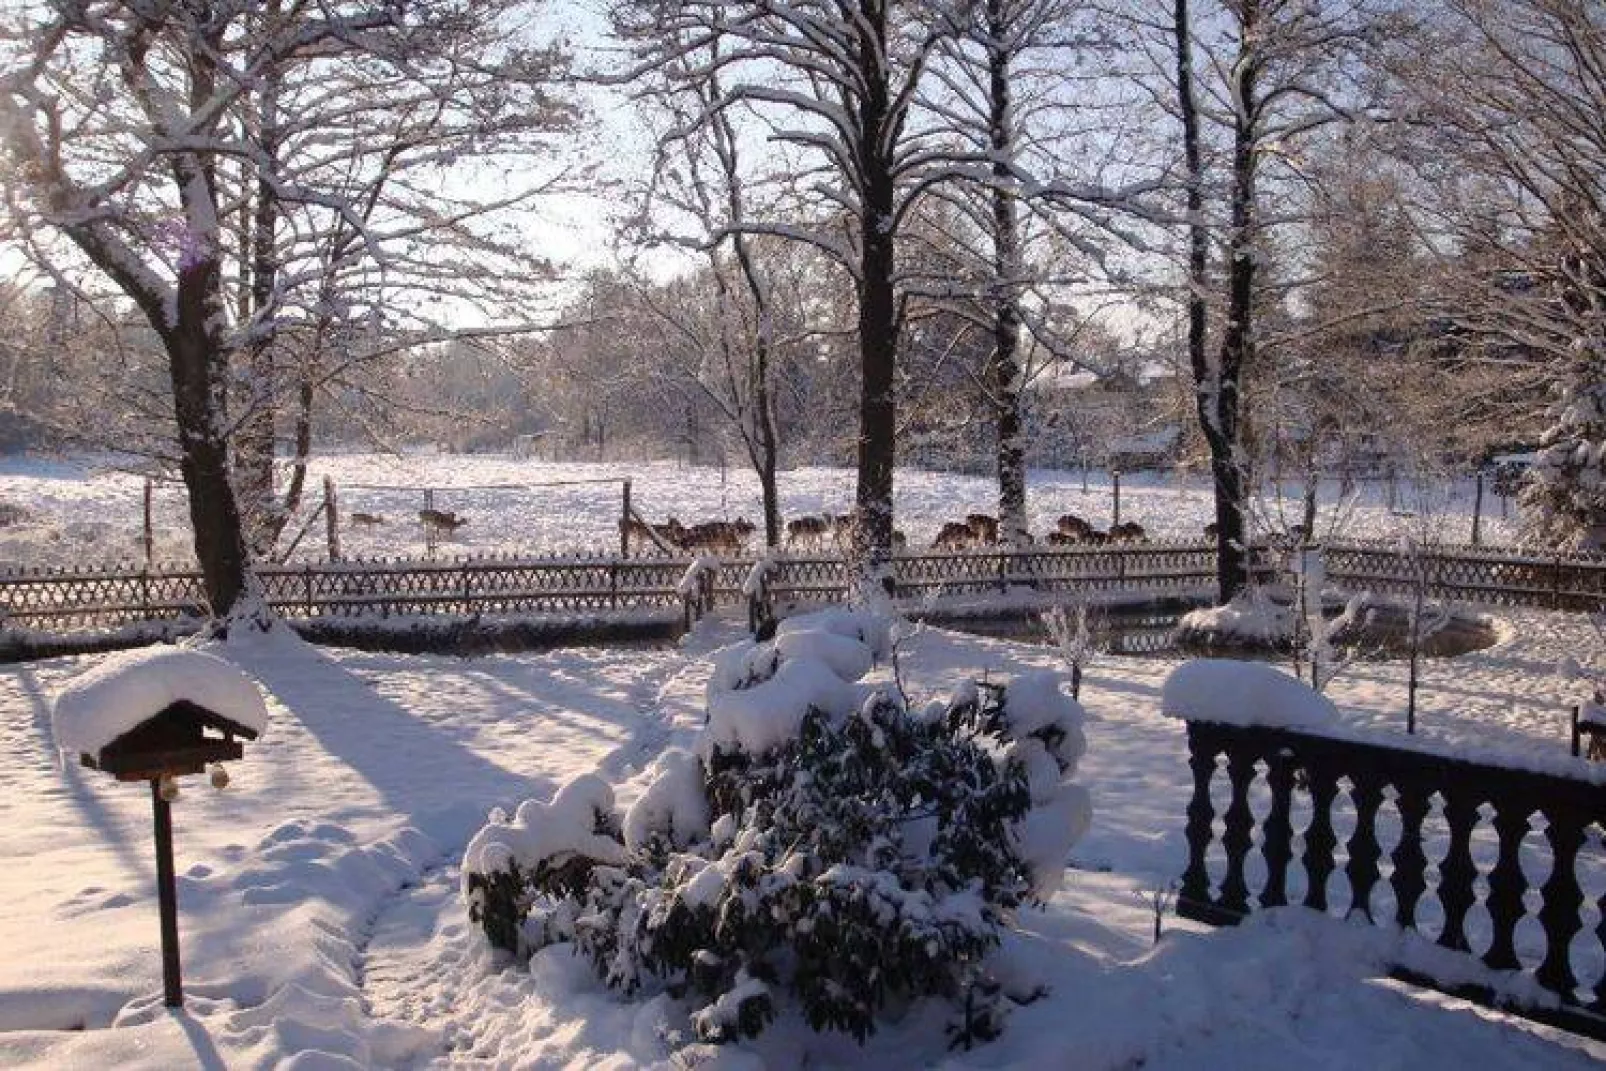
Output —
<point x="822" y="841"/>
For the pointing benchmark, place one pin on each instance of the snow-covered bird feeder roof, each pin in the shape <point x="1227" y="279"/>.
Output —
<point x="162" y="710"/>
<point x="1229" y="692"/>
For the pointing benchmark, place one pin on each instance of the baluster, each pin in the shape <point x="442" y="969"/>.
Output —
<point x="1457" y="872"/>
<point x="1598" y="1005"/>
<point x="1364" y="851"/>
<point x="1238" y="828"/>
<point x="1202" y="760"/>
<point x="1559" y="914"/>
<point x="1506" y="886"/>
<point x="1319" y="838"/>
<point x="1279" y="831"/>
<point x="1410" y="879"/>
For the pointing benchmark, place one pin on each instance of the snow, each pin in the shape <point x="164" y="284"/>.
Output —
<point x="126" y="689"/>
<point x="770" y="713"/>
<point x="1243" y="693"/>
<point x="673" y="802"/>
<point x="1251" y="617"/>
<point x="547" y="832"/>
<point x="320" y="894"/>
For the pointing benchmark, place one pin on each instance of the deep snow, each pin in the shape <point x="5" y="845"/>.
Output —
<point x="319" y="900"/>
<point x="319" y="907"/>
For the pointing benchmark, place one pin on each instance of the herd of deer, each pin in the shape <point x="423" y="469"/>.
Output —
<point x="812" y="532"/>
<point x="826" y="529"/>
<point x="713" y="537"/>
<point x="436" y="521"/>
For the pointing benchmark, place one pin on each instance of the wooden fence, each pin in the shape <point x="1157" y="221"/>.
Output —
<point x="66" y="600"/>
<point x="1413" y="800"/>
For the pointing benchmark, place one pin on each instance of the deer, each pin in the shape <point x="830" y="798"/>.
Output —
<point x="719" y="536"/>
<point x="1128" y="532"/>
<point x="810" y="530"/>
<point x="367" y="519"/>
<point x="440" y="520"/>
<point x="983" y="526"/>
<point x="954" y="536"/>
<point x="1073" y="526"/>
<point x="638" y="533"/>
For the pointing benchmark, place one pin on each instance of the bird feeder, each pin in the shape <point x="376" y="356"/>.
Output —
<point x="154" y="716"/>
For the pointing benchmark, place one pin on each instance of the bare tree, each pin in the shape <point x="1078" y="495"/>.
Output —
<point x="1276" y="72"/>
<point x="1515" y="154"/>
<point x="836" y="81"/>
<point x="166" y="144"/>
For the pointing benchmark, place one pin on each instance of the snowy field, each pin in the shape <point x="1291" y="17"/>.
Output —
<point x="85" y="512"/>
<point x="322" y="925"/>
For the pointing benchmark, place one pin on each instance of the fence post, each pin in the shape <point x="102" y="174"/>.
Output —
<point x="468" y="605"/>
<point x="306" y="576"/>
<point x="613" y="579"/>
<point x="624" y="521"/>
<point x="1115" y="487"/>
<point x="1477" y="512"/>
<point x="1576" y="739"/>
<point x="150" y="535"/>
<point x="331" y="516"/>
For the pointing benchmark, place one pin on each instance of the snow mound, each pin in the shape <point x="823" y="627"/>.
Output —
<point x="1250" y="618"/>
<point x="130" y="687"/>
<point x="543" y="832"/>
<point x="848" y="657"/>
<point x="673" y="804"/>
<point x="1036" y="707"/>
<point x="771" y="712"/>
<point x="1243" y="693"/>
<point x="872" y="629"/>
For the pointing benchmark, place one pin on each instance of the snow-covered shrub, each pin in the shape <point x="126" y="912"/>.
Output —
<point x="824" y="842"/>
<point x="1252" y="619"/>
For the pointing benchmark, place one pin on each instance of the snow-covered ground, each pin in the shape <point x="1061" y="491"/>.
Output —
<point x="318" y="893"/>
<point x="321" y="921"/>
<point x="84" y="512"/>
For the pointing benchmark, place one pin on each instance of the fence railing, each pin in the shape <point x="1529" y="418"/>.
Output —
<point x="65" y="600"/>
<point x="1463" y="811"/>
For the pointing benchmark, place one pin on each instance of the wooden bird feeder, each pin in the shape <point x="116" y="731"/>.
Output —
<point x="181" y="738"/>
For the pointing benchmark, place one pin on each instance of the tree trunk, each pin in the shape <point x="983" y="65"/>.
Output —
<point x="878" y="323"/>
<point x="254" y="440"/>
<point x="1004" y="373"/>
<point x="1216" y="388"/>
<point x="199" y="370"/>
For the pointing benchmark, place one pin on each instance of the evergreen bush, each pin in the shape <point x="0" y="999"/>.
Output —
<point x="868" y="857"/>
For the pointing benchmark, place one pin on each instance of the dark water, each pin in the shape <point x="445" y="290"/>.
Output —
<point x="1150" y="630"/>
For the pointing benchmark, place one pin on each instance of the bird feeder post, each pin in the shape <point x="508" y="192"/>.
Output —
<point x="167" y="898"/>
